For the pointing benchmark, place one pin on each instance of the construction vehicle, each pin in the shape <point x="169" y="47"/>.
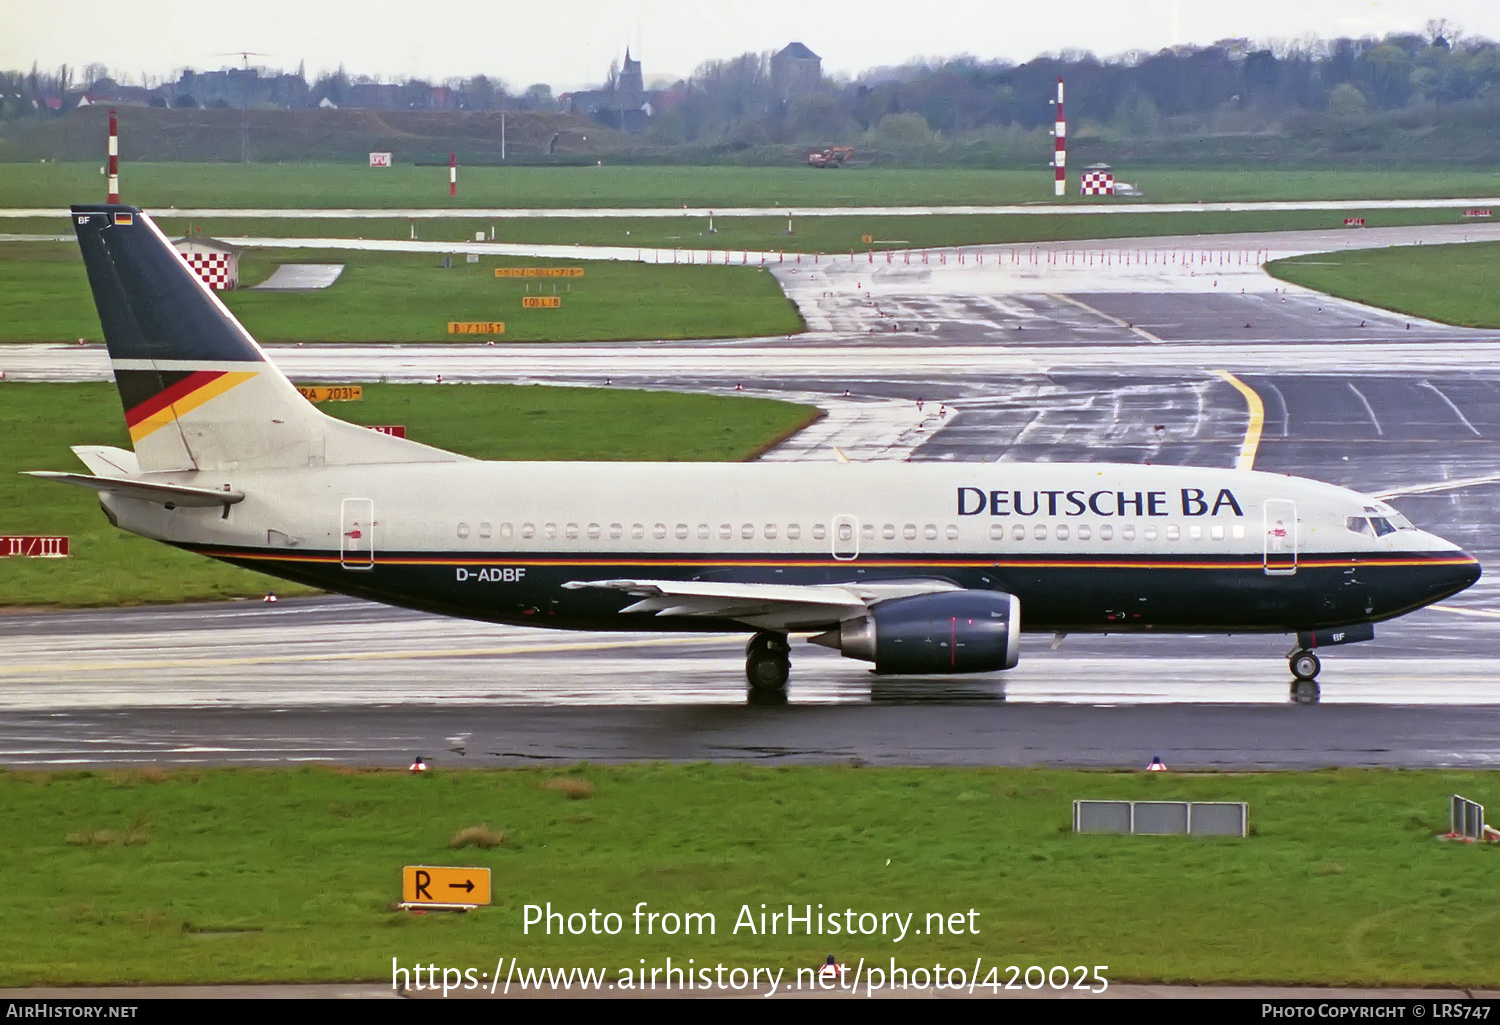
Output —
<point x="833" y="156"/>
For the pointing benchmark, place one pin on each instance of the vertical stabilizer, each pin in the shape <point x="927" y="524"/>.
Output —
<point x="198" y="392"/>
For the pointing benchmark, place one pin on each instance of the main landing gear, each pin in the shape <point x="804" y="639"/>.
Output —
<point x="768" y="662"/>
<point x="1305" y="666"/>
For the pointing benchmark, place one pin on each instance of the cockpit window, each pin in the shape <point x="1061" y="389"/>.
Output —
<point x="1382" y="526"/>
<point x="1358" y="524"/>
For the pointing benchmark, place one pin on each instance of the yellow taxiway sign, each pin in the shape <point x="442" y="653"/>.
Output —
<point x="430" y="884"/>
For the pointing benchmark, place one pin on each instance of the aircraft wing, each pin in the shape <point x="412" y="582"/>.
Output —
<point x="763" y="606"/>
<point x="146" y="491"/>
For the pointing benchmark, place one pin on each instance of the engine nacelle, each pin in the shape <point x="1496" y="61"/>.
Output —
<point x="946" y="632"/>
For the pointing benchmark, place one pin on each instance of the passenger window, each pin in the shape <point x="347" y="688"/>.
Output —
<point x="997" y="532"/>
<point x="682" y="531"/>
<point x="1238" y="531"/>
<point x="703" y="532"/>
<point x="1083" y="532"/>
<point x="505" y="530"/>
<point x="867" y="531"/>
<point x="909" y="532"/>
<point x="549" y="531"/>
<point x="819" y="532"/>
<point x="463" y="530"/>
<point x="1062" y="531"/>
<point x="770" y="532"/>
<point x="528" y="530"/>
<point x="793" y="531"/>
<point x="1150" y="532"/>
<point x="1018" y="532"/>
<point x="888" y="532"/>
<point x="1216" y="532"/>
<point x="484" y="530"/>
<point x="637" y="531"/>
<point x="572" y="531"/>
<point x="594" y="531"/>
<point x="726" y="531"/>
<point x="748" y="532"/>
<point x="1106" y="532"/>
<point x="1039" y="532"/>
<point x="930" y="532"/>
<point x="1174" y="533"/>
<point x="846" y="532"/>
<point x="1195" y="532"/>
<point x="616" y="531"/>
<point x="659" y="531"/>
<point x="951" y="532"/>
<point x="1127" y="532"/>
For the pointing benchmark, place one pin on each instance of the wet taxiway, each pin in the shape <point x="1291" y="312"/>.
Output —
<point x="1097" y="370"/>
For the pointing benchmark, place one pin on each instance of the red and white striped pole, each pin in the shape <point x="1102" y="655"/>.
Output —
<point x="1060" y="146"/>
<point x="452" y="174"/>
<point x="114" y="159"/>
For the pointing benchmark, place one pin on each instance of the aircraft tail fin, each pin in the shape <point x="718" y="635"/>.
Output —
<point x="198" y="392"/>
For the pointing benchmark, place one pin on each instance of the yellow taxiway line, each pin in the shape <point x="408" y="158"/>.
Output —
<point x="1246" y="461"/>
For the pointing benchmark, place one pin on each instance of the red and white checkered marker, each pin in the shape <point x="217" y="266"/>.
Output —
<point x="213" y="268"/>
<point x="270" y="597"/>
<point x="1157" y="765"/>
<point x="419" y="764"/>
<point x="114" y="158"/>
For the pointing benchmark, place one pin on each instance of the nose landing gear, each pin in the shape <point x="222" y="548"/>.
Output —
<point x="768" y="662"/>
<point x="1305" y="667"/>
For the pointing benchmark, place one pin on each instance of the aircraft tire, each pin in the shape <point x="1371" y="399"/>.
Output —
<point x="1305" y="665"/>
<point x="768" y="670"/>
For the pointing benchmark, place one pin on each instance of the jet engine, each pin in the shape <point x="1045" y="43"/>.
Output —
<point x="946" y="632"/>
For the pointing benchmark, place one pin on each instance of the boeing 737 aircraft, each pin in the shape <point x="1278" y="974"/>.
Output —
<point x="917" y="569"/>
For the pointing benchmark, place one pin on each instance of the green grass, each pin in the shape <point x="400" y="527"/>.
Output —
<point x="344" y="185"/>
<point x="1454" y="284"/>
<point x="111" y="567"/>
<point x="405" y="297"/>
<point x="248" y="876"/>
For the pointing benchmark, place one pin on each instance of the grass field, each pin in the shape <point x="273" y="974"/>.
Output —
<point x="401" y="297"/>
<point x="243" y="876"/>
<point x="344" y="185"/>
<point x="1453" y="284"/>
<point x="110" y="567"/>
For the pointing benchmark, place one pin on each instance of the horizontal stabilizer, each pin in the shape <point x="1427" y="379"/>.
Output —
<point x="145" y="491"/>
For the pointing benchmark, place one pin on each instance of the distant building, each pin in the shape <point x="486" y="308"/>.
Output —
<point x="217" y="263"/>
<point x="626" y="106"/>
<point x="795" y="69"/>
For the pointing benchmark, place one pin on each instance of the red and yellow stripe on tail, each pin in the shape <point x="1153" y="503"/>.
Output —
<point x="180" y="399"/>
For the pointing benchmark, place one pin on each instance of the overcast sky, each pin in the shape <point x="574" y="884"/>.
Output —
<point x="570" y="43"/>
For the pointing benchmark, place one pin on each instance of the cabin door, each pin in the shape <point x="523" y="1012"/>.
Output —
<point x="357" y="533"/>
<point x="1281" y="537"/>
<point x="845" y="538"/>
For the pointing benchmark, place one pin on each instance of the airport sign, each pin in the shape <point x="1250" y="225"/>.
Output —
<point x="33" y="546"/>
<point x="541" y="302"/>
<point x="538" y="272"/>
<point x="332" y="392"/>
<point x="476" y="327"/>
<point x="430" y="884"/>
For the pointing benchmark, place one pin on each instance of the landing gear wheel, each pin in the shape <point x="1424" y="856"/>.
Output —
<point x="1306" y="692"/>
<point x="768" y="662"/>
<point x="1305" y="665"/>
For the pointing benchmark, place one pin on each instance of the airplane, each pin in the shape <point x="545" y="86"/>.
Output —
<point x="916" y="568"/>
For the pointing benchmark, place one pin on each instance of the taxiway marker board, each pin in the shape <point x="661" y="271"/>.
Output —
<point x="394" y="430"/>
<point x="332" y="392"/>
<point x="476" y="327"/>
<point x="538" y="272"/>
<point x="541" y="302"/>
<point x="430" y="884"/>
<point x="33" y="546"/>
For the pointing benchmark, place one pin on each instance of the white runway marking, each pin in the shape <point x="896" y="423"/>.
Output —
<point x="1366" y="402"/>
<point x="1449" y="402"/>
